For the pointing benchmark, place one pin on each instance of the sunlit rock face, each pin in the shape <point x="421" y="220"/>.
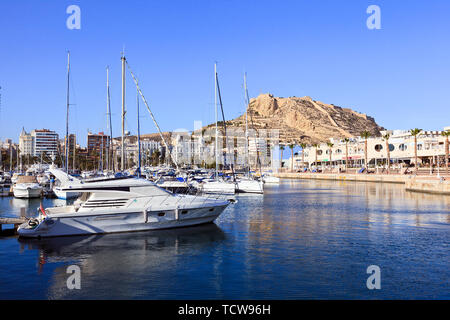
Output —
<point x="305" y="120"/>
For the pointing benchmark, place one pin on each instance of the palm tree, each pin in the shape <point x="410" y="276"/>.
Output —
<point x="315" y="145"/>
<point x="365" y="134"/>
<point x="446" y="134"/>
<point x="303" y="146"/>
<point x="346" y="140"/>
<point x="155" y="157"/>
<point x="281" y="155"/>
<point x="415" y="132"/>
<point x="330" y="145"/>
<point x="291" y="146"/>
<point x="386" y="138"/>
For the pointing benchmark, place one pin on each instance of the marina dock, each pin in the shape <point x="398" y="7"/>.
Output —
<point x="11" y="221"/>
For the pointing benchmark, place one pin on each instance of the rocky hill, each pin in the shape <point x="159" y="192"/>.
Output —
<point x="304" y="119"/>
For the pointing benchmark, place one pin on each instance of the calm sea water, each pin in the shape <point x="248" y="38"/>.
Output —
<point x="300" y="240"/>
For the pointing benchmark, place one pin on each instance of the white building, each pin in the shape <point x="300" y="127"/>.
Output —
<point x="430" y="150"/>
<point x="26" y="145"/>
<point x="44" y="141"/>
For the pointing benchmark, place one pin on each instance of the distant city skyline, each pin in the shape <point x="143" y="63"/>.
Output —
<point x="398" y="74"/>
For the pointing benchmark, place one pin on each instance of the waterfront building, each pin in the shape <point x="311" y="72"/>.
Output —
<point x="8" y="155"/>
<point x="430" y="150"/>
<point x="71" y="145"/>
<point x="131" y="150"/>
<point x="44" y="141"/>
<point x="6" y="144"/>
<point x="97" y="143"/>
<point x="26" y="143"/>
<point x="148" y="147"/>
<point x="198" y="148"/>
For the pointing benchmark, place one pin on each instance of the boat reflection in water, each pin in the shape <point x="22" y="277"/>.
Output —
<point x="136" y="263"/>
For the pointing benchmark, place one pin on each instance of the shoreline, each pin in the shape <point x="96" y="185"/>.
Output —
<point x="424" y="184"/>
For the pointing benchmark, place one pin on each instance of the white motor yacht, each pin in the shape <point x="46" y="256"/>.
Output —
<point x="122" y="205"/>
<point x="27" y="187"/>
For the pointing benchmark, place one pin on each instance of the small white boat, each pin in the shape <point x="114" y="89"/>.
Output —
<point x="27" y="189"/>
<point x="271" y="179"/>
<point x="249" y="186"/>
<point x="218" y="187"/>
<point x="123" y="205"/>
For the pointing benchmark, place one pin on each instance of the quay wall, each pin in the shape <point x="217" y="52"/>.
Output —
<point x="428" y="186"/>
<point x="346" y="177"/>
<point x="411" y="183"/>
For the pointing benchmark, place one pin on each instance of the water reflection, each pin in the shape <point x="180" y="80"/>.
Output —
<point x="128" y="261"/>
<point x="376" y="202"/>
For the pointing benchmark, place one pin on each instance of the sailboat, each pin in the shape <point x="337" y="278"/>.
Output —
<point x="248" y="184"/>
<point x="216" y="185"/>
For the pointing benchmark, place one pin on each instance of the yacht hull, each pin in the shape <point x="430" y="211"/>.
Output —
<point x="27" y="192"/>
<point x="271" y="180"/>
<point x="217" y="187"/>
<point x="65" y="195"/>
<point x="250" y="186"/>
<point x="120" y="222"/>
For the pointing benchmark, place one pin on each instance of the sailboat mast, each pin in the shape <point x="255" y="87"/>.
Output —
<point x="108" y="119"/>
<point x="10" y="158"/>
<point x="138" y="135"/>
<point x="122" y="164"/>
<point x="67" y="114"/>
<point x="215" y="108"/>
<point x="246" y="124"/>
<point x="74" y="150"/>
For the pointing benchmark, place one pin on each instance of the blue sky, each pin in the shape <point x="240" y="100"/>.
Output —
<point x="400" y="74"/>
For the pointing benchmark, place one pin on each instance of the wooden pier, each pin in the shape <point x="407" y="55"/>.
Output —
<point x="16" y="221"/>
